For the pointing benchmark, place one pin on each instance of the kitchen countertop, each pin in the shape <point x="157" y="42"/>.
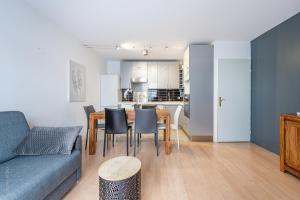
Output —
<point x="153" y="102"/>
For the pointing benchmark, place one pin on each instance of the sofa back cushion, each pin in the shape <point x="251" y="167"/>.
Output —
<point x="49" y="140"/>
<point x="13" y="129"/>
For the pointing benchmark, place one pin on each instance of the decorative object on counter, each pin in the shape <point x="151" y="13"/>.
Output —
<point x="290" y="144"/>
<point x="120" y="178"/>
<point x="127" y="94"/>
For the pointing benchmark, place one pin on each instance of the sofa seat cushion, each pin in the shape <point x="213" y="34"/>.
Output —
<point x="34" y="177"/>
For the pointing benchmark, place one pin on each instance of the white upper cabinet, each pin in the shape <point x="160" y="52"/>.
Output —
<point x="126" y="73"/>
<point x="139" y="70"/>
<point x="173" y="81"/>
<point x="162" y="75"/>
<point x="152" y="75"/>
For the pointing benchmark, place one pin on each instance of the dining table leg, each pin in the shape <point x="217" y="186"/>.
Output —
<point x="168" y="136"/>
<point x="92" y="143"/>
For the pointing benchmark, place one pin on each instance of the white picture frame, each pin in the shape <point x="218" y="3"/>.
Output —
<point x="77" y="82"/>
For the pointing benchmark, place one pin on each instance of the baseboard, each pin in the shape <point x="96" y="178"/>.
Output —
<point x="202" y="138"/>
<point x="199" y="138"/>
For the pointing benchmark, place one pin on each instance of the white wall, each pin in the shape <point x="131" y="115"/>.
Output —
<point x="113" y="67"/>
<point x="34" y="67"/>
<point x="226" y="50"/>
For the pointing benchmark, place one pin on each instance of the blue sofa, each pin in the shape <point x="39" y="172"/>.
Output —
<point x="33" y="177"/>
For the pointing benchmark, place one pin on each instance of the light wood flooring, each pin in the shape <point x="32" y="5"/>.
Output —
<point x="199" y="170"/>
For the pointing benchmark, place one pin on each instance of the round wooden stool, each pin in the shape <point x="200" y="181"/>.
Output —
<point x="120" y="178"/>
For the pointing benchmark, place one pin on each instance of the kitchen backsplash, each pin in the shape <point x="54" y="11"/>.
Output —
<point x="158" y="95"/>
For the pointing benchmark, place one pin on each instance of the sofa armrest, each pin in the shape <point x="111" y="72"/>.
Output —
<point x="78" y="143"/>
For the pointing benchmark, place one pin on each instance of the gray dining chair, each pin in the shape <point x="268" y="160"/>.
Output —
<point x="146" y="122"/>
<point x="116" y="123"/>
<point x="90" y="109"/>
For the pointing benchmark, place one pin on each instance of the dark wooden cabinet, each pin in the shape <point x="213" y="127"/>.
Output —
<point x="290" y="143"/>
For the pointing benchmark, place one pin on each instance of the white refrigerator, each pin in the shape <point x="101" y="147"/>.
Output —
<point x="109" y="91"/>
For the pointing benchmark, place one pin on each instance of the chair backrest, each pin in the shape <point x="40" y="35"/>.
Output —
<point x="176" y="115"/>
<point x="146" y="121"/>
<point x="88" y="109"/>
<point x="13" y="129"/>
<point x="148" y="106"/>
<point x="115" y="121"/>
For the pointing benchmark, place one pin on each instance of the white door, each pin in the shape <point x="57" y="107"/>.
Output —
<point x="234" y="100"/>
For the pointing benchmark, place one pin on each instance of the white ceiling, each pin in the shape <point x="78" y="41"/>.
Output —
<point x="159" y="23"/>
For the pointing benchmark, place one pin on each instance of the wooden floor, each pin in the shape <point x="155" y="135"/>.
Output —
<point x="199" y="170"/>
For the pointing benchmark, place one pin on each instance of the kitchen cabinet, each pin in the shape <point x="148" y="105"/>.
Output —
<point x="173" y="80"/>
<point x="152" y="75"/>
<point x="139" y="70"/>
<point x="126" y="73"/>
<point x="162" y="75"/>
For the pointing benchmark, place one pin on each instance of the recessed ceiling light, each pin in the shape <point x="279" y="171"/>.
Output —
<point x="166" y="47"/>
<point x="127" y="46"/>
<point x="118" y="47"/>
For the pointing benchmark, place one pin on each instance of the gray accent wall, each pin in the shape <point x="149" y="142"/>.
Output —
<point x="275" y="81"/>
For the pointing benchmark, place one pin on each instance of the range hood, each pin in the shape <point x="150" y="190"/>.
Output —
<point x="139" y="80"/>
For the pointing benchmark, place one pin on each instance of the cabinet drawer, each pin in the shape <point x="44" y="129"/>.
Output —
<point x="292" y="146"/>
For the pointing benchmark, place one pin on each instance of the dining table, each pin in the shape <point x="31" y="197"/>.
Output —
<point x="162" y="115"/>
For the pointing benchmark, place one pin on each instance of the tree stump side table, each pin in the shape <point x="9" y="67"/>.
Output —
<point x="120" y="178"/>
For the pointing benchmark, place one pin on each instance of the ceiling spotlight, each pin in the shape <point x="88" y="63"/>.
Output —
<point x="127" y="46"/>
<point x="166" y="47"/>
<point x="145" y="52"/>
<point x="118" y="47"/>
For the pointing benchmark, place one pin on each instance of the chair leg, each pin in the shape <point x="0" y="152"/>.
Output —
<point x="86" y="138"/>
<point x="113" y="139"/>
<point x="96" y="135"/>
<point x="138" y="139"/>
<point x="157" y="145"/>
<point x="177" y="138"/>
<point x="104" y="144"/>
<point x="130" y="137"/>
<point x="134" y="143"/>
<point x="127" y="142"/>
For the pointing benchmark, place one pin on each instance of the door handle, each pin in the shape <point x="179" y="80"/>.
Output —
<point x="220" y="101"/>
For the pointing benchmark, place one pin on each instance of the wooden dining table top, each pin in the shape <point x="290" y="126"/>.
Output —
<point x="161" y="114"/>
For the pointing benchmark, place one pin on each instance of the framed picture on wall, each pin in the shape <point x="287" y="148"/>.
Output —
<point x="77" y="84"/>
